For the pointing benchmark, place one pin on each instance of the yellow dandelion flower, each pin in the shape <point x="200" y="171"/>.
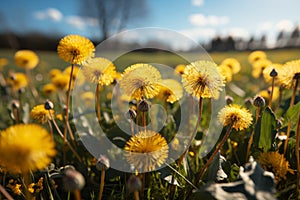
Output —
<point x="60" y="81"/>
<point x="31" y="188"/>
<point x="202" y="79"/>
<point x="276" y="163"/>
<point x="191" y="153"/>
<point x="133" y="67"/>
<point x="40" y="114"/>
<point x="141" y="80"/>
<point x="170" y="91"/>
<point x="75" y="49"/>
<point x="54" y="72"/>
<point x="49" y="89"/>
<point x="266" y="93"/>
<point x="26" y="147"/>
<point x="179" y="69"/>
<point x="88" y="98"/>
<point x="256" y="55"/>
<point x="36" y="187"/>
<point x="15" y="187"/>
<point x="288" y="72"/>
<point x="226" y="72"/>
<point x="60" y="117"/>
<point x="118" y="76"/>
<point x="259" y="66"/>
<point x="146" y="150"/>
<point x="100" y="71"/>
<point x="26" y="59"/>
<point x="239" y="117"/>
<point x="3" y="62"/>
<point x="40" y="185"/>
<point x="269" y="68"/>
<point x="233" y="64"/>
<point x="17" y="81"/>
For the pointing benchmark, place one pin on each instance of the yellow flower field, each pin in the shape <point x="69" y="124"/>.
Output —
<point x="49" y="146"/>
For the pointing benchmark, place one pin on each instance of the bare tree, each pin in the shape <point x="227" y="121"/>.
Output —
<point x="114" y="15"/>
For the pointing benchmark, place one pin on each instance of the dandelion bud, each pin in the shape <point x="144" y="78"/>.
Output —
<point x="273" y="73"/>
<point x="134" y="183"/>
<point x="102" y="163"/>
<point x="248" y="102"/>
<point x="15" y="104"/>
<point x="234" y="144"/>
<point x="21" y="90"/>
<point x="296" y="76"/>
<point x="259" y="101"/>
<point x="130" y="114"/>
<point x="13" y="77"/>
<point x="144" y="106"/>
<point x="229" y="99"/>
<point x="279" y="124"/>
<point x="48" y="105"/>
<point x="65" y="109"/>
<point x="73" y="180"/>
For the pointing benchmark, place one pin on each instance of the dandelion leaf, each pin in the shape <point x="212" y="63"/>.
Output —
<point x="252" y="183"/>
<point x="215" y="171"/>
<point x="292" y="115"/>
<point x="267" y="130"/>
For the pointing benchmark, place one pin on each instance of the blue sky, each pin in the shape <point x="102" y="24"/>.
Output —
<point x="198" y="19"/>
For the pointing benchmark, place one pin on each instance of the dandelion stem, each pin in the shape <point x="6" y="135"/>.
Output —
<point x="272" y="91"/>
<point x="194" y="132"/>
<point x="50" y="128"/>
<point x="136" y="195"/>
<point x="32" y="88"/>
<point x="5" y="193"/>
<point x="16" y="114"/>
<point x="294" y="93"/>
<point x="143" y="185"/>
<point x="137" y="116"/>
<point x="144" y="120"/>
<point x="189" y="182"/>
<point x="288" y="130"/>
<point x="77" y="194"/>
<point x="214" y="154"/>
<point x="289" y="122"/>
<point x="101" y="184"/>
<point x="132" y="126"/>
<point x="62" y="136"/>
<point x="26" y="177"/>
<point x="279" y="99"/>
<point x="67" y="110"/>
<point x="98" y="103"/>
<point x="252" y="134"/>
<point x="297" y="156"/>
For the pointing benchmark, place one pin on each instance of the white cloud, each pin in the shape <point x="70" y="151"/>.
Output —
<point x="284" y="25"/>
<point x="50" y="13"/>
<point x="197" y="2"/>
<point x="199" y="34"/>
<point x="265" y="26"/>
<point x="81" y="22"/>
<point x="210" y="20"/>
<point x="238" y="32"/>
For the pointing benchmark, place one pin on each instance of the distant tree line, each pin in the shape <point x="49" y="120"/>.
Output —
<point x="283" y="40"/>
<point x="34" y="41"/>
<point x="39" y="41"/>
